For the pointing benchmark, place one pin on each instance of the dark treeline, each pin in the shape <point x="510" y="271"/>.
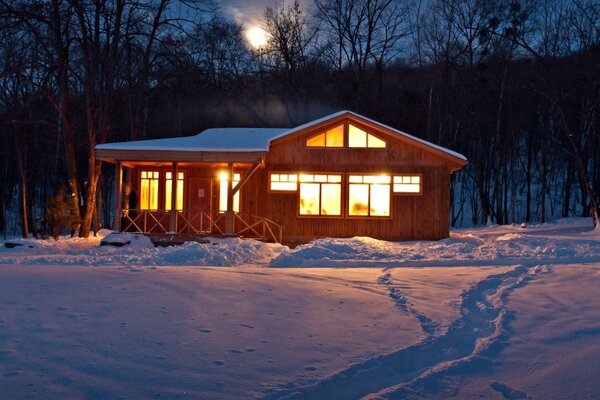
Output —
<point x="513" y="85"/>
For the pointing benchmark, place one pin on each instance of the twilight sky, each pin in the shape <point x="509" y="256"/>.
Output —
<point x="247" y="12"/>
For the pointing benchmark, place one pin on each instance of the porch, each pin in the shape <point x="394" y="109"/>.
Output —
<point x="198" y="224"/>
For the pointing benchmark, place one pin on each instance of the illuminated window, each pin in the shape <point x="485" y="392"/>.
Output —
<point x="169" y="190"/>
<point x="320" y="194"/>
<point x="284" y="182"/>
<point x="331" y="138"/>
<point x="407" y="184"/>
<point x="369" y="195"/>
<point x="149" y="190"/>
<point x="224" y="178"/>
<point x="359" y="138"/>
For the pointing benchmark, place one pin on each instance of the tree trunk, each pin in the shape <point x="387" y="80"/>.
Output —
<point x="22" y="191"/>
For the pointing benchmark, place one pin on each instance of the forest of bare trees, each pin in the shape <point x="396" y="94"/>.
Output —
<point x="513" y="85"/>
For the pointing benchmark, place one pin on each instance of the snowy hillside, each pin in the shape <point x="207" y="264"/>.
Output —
<point x="497" y="312"/>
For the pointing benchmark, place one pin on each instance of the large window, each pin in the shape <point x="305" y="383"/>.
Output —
<point x="369" y="195"/>
<point x="224" y="179"/>
<point x="169" y="190"/>
<point x="320" y="194"/>
<point x="283" y="182"/>
<point x="359" y="138"/>
<point x="149" y="190"/>
<point x="331" y="138"/>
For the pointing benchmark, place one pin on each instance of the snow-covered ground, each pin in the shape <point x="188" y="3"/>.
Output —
<point x="496" y="312"/>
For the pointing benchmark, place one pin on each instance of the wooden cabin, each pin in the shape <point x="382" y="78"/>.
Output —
<point x="342" y="175"/>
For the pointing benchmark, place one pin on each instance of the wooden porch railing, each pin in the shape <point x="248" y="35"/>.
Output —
<point x="201" y="222"/>
<point x="261" y="228"/>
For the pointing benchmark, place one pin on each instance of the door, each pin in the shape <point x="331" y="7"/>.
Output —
<point x="200" y="204"/>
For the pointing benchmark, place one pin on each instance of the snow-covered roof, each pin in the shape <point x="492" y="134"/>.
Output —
<point x="252" y="139"/>
<point x="214" y="139"/>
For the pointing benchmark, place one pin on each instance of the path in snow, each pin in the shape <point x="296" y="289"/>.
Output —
<point x="548" y="349"/>
<point x="482" y="315"/>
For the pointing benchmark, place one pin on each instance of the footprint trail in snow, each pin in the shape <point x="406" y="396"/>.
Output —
<point x="483" y="311"/>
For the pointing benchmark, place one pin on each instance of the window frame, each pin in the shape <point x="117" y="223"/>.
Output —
<point x="323" y="131"/>
<point x="164" y="194"/>
<point x="346" y="137"/>
<point x="275" y="191"/>
<point x="419" y="193"/>
<point x="370" y="217"/>
<point x="342" y="176"/>
<point x="159" y="189"/>
<point x="239" y="194"/>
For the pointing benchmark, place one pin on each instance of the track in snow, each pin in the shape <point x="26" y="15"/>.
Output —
<point x="391" y="375"/>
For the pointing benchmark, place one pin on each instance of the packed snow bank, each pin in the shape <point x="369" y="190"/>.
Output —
<point x="219" y="252"/>
<point x="564" y="241"/>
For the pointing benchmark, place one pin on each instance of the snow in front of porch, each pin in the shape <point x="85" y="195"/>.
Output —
<point x="571" y="240"/>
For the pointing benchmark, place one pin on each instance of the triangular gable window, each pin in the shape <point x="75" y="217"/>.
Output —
<point x="359" y="138"/>
<point x="331" y="138"/>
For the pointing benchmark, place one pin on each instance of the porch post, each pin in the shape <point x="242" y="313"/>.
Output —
<point x="173" y="213"/>
<point x="229" y="212"/>
<point x="118" y="193"/>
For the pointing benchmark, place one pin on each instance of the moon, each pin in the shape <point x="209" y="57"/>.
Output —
<point x="256" y="36"/>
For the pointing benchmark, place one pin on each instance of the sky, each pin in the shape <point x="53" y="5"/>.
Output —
<point x="247" y="12"/>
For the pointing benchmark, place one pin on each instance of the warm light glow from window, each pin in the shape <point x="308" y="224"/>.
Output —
<point x="331" y="138"/>
<point x="284" y="182"/>
<point x="224" y="178"/>
<point x="309" y="198"/>
<point x="320" y="194"/>
<point x="407" y="184"/>
<point x="358" y="195"/>
<point x="359" y="138"/>
<point x="169" y="189"/>
<point x="149" y="190"/>
<point x="369" y="195"/>
<point x="256" y="36"/>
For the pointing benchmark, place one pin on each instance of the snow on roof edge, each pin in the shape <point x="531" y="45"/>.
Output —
<point x="397" y="131"/>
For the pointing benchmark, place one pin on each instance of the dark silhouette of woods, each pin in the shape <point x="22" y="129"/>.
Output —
<point x="513" y="85"/>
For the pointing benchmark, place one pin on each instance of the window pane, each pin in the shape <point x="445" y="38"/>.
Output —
<point x="334" y="178"/>
<point x="380" y="200"/>
<point x="407" y="188"/>
<point x="415" y="179"/>
<point x="223" y="192"/>
<point x="355" y="179"/>
<point x="274" y="177"/>
<point x="358" y="195"/>
<point x="316" y="141"/>
<point x="335" y="137"/>
<point x="284" y="186"/>
<point x="309" y="199"/>
<point x="149" y="190"/>
<point x="320" y="178"/>
<point x="375" y="142"/>
<point x="154" y="193"/>
<point x="331" y="199"/>
<point x="168" y="192"/>
<point x="144" y="193"/>
<point x="356" y="137"/>
<point x="180" y="193"/>
<point x="307" y="178"/>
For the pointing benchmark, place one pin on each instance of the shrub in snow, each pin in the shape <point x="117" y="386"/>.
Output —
<point x="61" y="213"/>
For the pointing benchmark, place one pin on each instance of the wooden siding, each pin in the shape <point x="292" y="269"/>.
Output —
<point x="412" y="217"/>
<point x="422" y="216"/>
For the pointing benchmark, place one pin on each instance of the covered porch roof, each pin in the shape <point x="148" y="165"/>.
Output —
<point x="240" y="145"/>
